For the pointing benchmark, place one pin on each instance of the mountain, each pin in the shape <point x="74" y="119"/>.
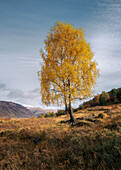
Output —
<point x="14" y="110"/>
<point x="38" y="111"/>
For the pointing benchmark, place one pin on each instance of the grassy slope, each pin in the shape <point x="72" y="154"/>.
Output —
<point x="47" y="143"/>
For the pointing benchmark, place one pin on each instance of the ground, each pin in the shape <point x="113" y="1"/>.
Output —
<point x="94" y="142"/>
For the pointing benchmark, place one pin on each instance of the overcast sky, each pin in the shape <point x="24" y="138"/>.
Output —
<point x="24" y="25"/>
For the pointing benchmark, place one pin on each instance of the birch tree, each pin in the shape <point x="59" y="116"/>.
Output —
<point x="68" y="70"/>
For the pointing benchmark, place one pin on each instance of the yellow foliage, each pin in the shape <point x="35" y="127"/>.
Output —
<point x="68" y="70"/>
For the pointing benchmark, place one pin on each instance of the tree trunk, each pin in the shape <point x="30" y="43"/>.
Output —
<point x="66" y="107"/>
<point x="70" y="110"/>
<point x="65" y="99"/>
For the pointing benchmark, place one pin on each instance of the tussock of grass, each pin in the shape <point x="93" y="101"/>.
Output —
<point x="52" y="143"/>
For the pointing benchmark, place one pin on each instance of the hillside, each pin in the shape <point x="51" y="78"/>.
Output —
<point x="38" y="111"/>
<point x="105" y="98"/>
<point x="94" y="142"/>
<point x="14" y="110"/>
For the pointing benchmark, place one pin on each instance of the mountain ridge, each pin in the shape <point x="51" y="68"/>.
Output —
<point x="10" y="109"/>
<point x="38" y="111"/>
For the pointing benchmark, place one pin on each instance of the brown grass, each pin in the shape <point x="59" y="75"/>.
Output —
<point x="51" y="143"/>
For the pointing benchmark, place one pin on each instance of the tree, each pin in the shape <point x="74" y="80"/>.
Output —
<point x="96" y="100"/>
<point x="119" y="94"/>
<point x="112" y="94"/>
<point x="104" y="97"/>
<point x="68" y="71"/>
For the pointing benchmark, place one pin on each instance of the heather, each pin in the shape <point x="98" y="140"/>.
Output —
<point x="93" y="142"/>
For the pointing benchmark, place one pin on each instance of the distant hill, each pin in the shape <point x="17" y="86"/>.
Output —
<point x="14" y="110"/>
<point x="37" y="111"/>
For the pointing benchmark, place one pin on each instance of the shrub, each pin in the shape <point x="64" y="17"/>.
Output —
<point x="119" y="94"/>
<point x="61" y="112"/>
<point x="50" y="114"/>
<point x="96" y="99"/>
<point x="112" y="94"/>
<point x="45" y="115"/>
<point x="91" y="103"/>
<point x="104" y="97"/>
<point x="75" y="110"/>
<point x="41" y="116"/>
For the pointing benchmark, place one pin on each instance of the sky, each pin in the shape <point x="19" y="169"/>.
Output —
<point x="24" y="26"/>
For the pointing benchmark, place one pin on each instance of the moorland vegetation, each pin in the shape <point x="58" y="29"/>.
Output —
<point x="94" y="142"/>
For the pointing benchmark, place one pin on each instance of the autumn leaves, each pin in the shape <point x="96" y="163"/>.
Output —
<point x="68" y="70"/>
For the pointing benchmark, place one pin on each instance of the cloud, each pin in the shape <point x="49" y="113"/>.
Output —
<point x="36" y="90"/>
<point x="3" y="87"/>
<point x="17" y="94"/>
<point x="25" y="97"/>
<point x="108" y="81"/>
<point x="105" y="39"/>
<point x="28" y="98"/>
<point x="20" y="47"/>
